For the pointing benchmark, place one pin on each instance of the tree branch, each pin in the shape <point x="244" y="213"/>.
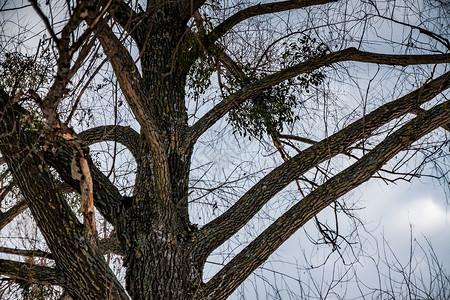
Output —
<point x="257" y="10"/>
<point x="223" y="227"/>
<point x="420" y="110"/>
<point x="107" y="198"/>
<point x="191" y="7"/>
<point x="106" y="245"/>
<point x="64" y="234"/>
<point x="129" y="20"/>
<point x="253" y="89"/>
<point x="124" y="135"/>
<point x="30" y="273"/>
<point x="243" y="264"/>
<point x="63" y="73"/>
<point x="23" y="252"/>
<point x="9" y="215"/>
<point x="133" y="90"/>
<point x="297" y="138"/>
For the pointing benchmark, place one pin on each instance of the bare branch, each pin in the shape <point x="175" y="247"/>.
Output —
<point x="297" y="138"/>
<point x="129" y="20"/>
<point x="243" y="264"/>
<point x="223" y="227"/>
<point x="420" y="110"/>
<point x="125" y="135"/>
<point x="30" y="253"/>
<point x="30" y="273"/>
<point x="257" y="10"/>
<point x="253" y="89"/>
<point x="4" y="191"/>
<point x="107" y="198"/>
<point x="46" y="21"/>
<point x="64" y="234"/>
<point x="63" y="73"/>
<point x="444" y="41"/>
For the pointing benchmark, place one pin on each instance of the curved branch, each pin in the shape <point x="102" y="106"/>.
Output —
<point x="253" y="89"/>
<point x="30" y="273"/>
<point x="243" y="264"/>
<point x="257" y="10"/>
<point x="124" y="135"/>
<point x="223" y="227"/>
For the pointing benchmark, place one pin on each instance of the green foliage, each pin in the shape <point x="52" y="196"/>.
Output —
<point x="199" y="77"/>
<point x="276" y="106"/>
<point x="265" y="113"/>
<point x="20" y="71"/>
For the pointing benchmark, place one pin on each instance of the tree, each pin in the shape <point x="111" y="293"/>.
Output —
<point x="167" y="57"/>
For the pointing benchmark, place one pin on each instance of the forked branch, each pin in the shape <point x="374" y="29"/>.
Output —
<point x="133" y="90"/>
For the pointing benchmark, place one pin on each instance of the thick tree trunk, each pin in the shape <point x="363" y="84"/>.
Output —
<point x="155" y="228"/>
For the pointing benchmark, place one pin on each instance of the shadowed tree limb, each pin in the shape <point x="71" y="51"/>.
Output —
<point x="253" y="89"/>
<point x="297" y="138"/>
<point x="124" y="135"/>
<point x="129" y="19"/>
<point x="30" y="272"/>
<point x="252" y="256"/>
<point x="107" y="245"/>
<point x="420" y="110"/>
<point x="223" y="227"/>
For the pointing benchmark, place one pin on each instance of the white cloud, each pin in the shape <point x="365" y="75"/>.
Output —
<point x="425" y="215"/>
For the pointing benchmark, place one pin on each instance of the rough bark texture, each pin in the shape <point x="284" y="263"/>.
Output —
<point x="164" y="254"/>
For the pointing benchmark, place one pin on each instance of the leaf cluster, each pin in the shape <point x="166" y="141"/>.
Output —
<point x="199" y="77"/>
<point x="276" y="106"/>
<point x="21" y="71"/>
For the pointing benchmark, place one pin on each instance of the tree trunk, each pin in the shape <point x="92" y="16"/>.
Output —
<point x="155" y="229"/>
